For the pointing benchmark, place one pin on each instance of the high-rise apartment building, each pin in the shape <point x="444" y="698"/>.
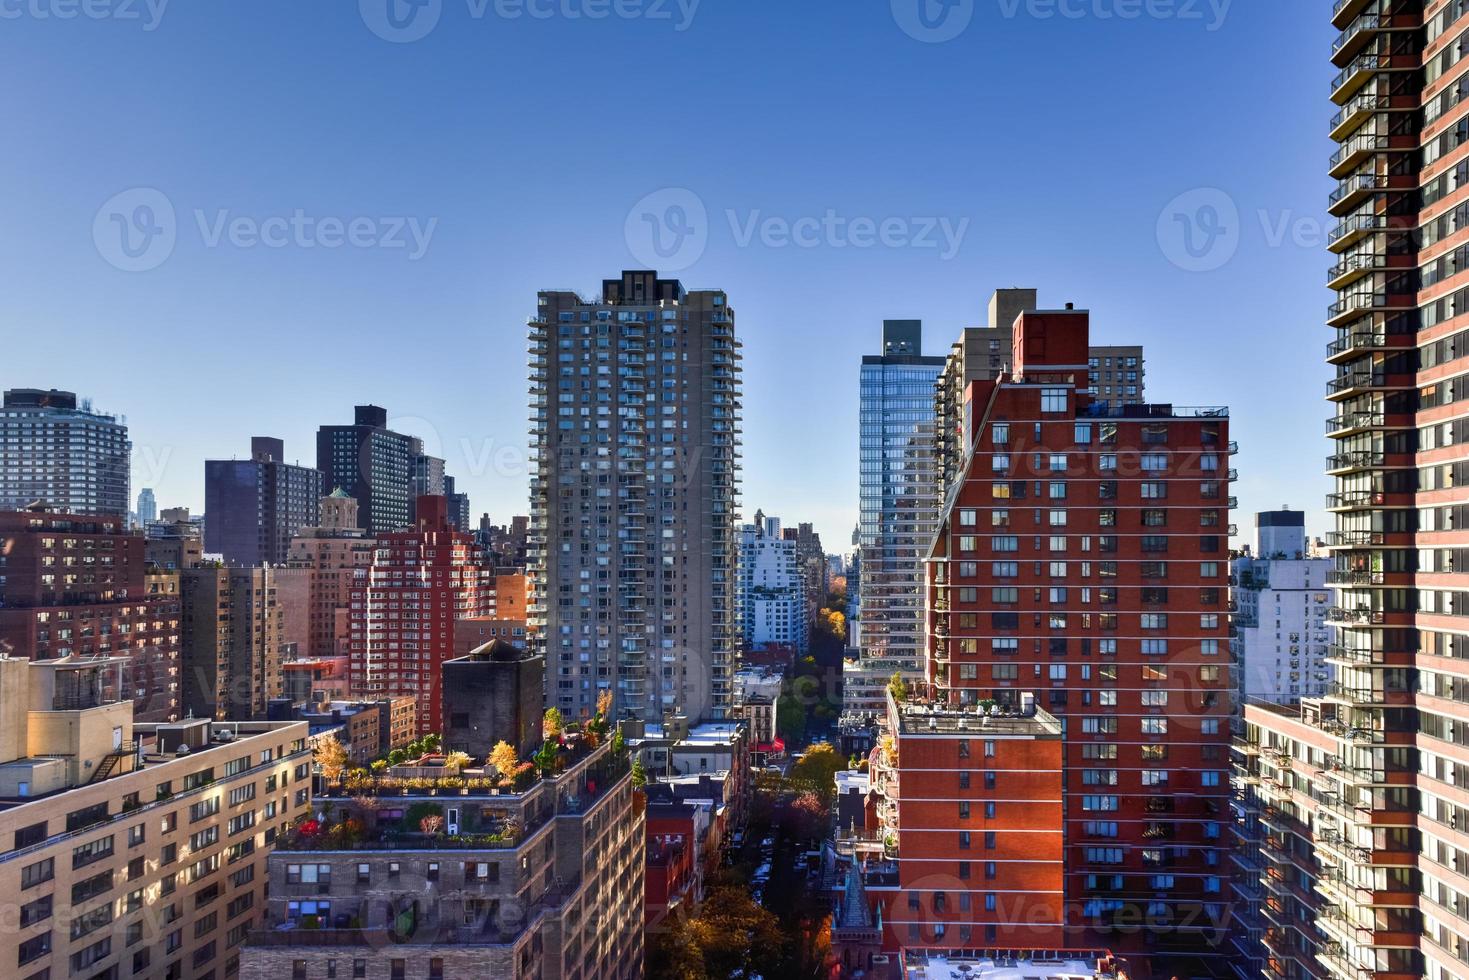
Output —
<point x="899" y="493"/>
<point x="131" y="849"/>
<point x="327" y="558"/>
<point x="373" y="464"/>
<point x="1280" y="600"/>
<point x="253" y="507"/>
<point x="232" y="628"/>
<point x="815" y="569"/>
<point x="404" y="606"/>
<point x="458" y="504"/>
<point x="1084" y="553"/>
<point x="55" y="450"/>
<point x="1358" y="795"/>
<point x="79" y="586"/>
<point x="771" y="591"/>
<point x="984" y="353"/>
<point x="635" y="413"/>
<point x="147" y="507"/>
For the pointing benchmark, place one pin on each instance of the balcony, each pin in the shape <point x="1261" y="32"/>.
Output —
<point x="1354" y="500"/>
<point x="1355" y="150"/>
<point x="1349" y="81"/>
<point x="1353" y="422"/>
<point x="1356" y="341"/>
<point x="1355" y="227"/>
<point x="1353" y="460"/>
<point x="1354" y="267"/>
<point x="1344" y="11"/>
<point x="1338" y="616"/>
<point x="1354" y="37"/>
<point x="1354" y="113"/>
<point x="1358" y="383"/>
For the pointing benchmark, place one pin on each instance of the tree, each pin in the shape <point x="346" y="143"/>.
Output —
<point x="431" y="742"/>
<point x="639" y="774"/>
<point x="898" y="687"/>
<point x="604" y="704"/>
<point x="552" y="725"/>
<point x="503" y="758"/>
<point x="331" y="756"/>
<point x="431" y="824"/>
<point x="809" y="817"/>
<point x="816" y="771"/>
<point x="397" y="757"/>
<point x="790" y="718"/>
<point x="736" y="936"/>
<point x="457" y="760"/>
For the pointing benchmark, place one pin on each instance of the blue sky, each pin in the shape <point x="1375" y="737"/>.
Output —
<point x="358" y="216"/>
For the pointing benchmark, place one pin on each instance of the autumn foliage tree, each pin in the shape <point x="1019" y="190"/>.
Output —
<point x="503" y="758"/>
<point x="816" y="771"/>
<point x="331" y="755"/>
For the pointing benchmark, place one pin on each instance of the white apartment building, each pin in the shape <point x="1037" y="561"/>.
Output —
<point x="771" y="590"/>
<point x="1281" y="602"/>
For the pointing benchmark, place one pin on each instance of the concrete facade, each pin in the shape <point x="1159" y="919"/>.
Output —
<point x="635" y="410"/>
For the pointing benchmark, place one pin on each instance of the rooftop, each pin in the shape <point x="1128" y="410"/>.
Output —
<point x="1066" y="966"/>
<point x="922" y="718"/>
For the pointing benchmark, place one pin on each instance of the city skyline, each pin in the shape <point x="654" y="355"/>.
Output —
<point x="1068" y="209"/>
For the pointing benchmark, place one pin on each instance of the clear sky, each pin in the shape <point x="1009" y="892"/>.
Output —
<point x="225" y="219"/>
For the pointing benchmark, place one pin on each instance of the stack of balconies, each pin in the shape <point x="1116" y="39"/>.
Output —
<point x="1378" y="89"/>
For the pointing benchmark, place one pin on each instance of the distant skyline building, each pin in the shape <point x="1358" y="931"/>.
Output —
<point x="56" y="450"/>
<point x="404" y="607"/>
<point x="899" y="494"/>
<point x="635" y="413"/>
<point x="231" y="649"/>
<point x="253" y="507"/>
<point x="458" y="505"/>
<point x="771" y="595"/>
<point x="147" y="506"/>
<point x="373" y="464"/>
<point x="1281" y="636"/>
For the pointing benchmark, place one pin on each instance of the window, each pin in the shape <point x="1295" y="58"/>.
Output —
<point x="34" y="874"/>
<point x="35" y="948"/>
<point x="1053" y="399"/>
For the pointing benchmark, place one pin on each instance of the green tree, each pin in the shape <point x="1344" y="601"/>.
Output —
<point x="552" y="725"/>
<point x="898" y="687"/>
<point x="816" y="771"/>
<point x="639" y="774"/>
<point x="790" y="718"/>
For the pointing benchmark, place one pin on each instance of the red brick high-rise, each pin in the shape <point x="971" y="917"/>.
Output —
<point x="404" y="607"/>
<point x="1084" y="556"/>
<point x="73" y="585"/>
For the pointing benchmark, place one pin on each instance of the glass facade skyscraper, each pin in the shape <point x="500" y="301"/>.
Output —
<point x="899" y="492"/>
